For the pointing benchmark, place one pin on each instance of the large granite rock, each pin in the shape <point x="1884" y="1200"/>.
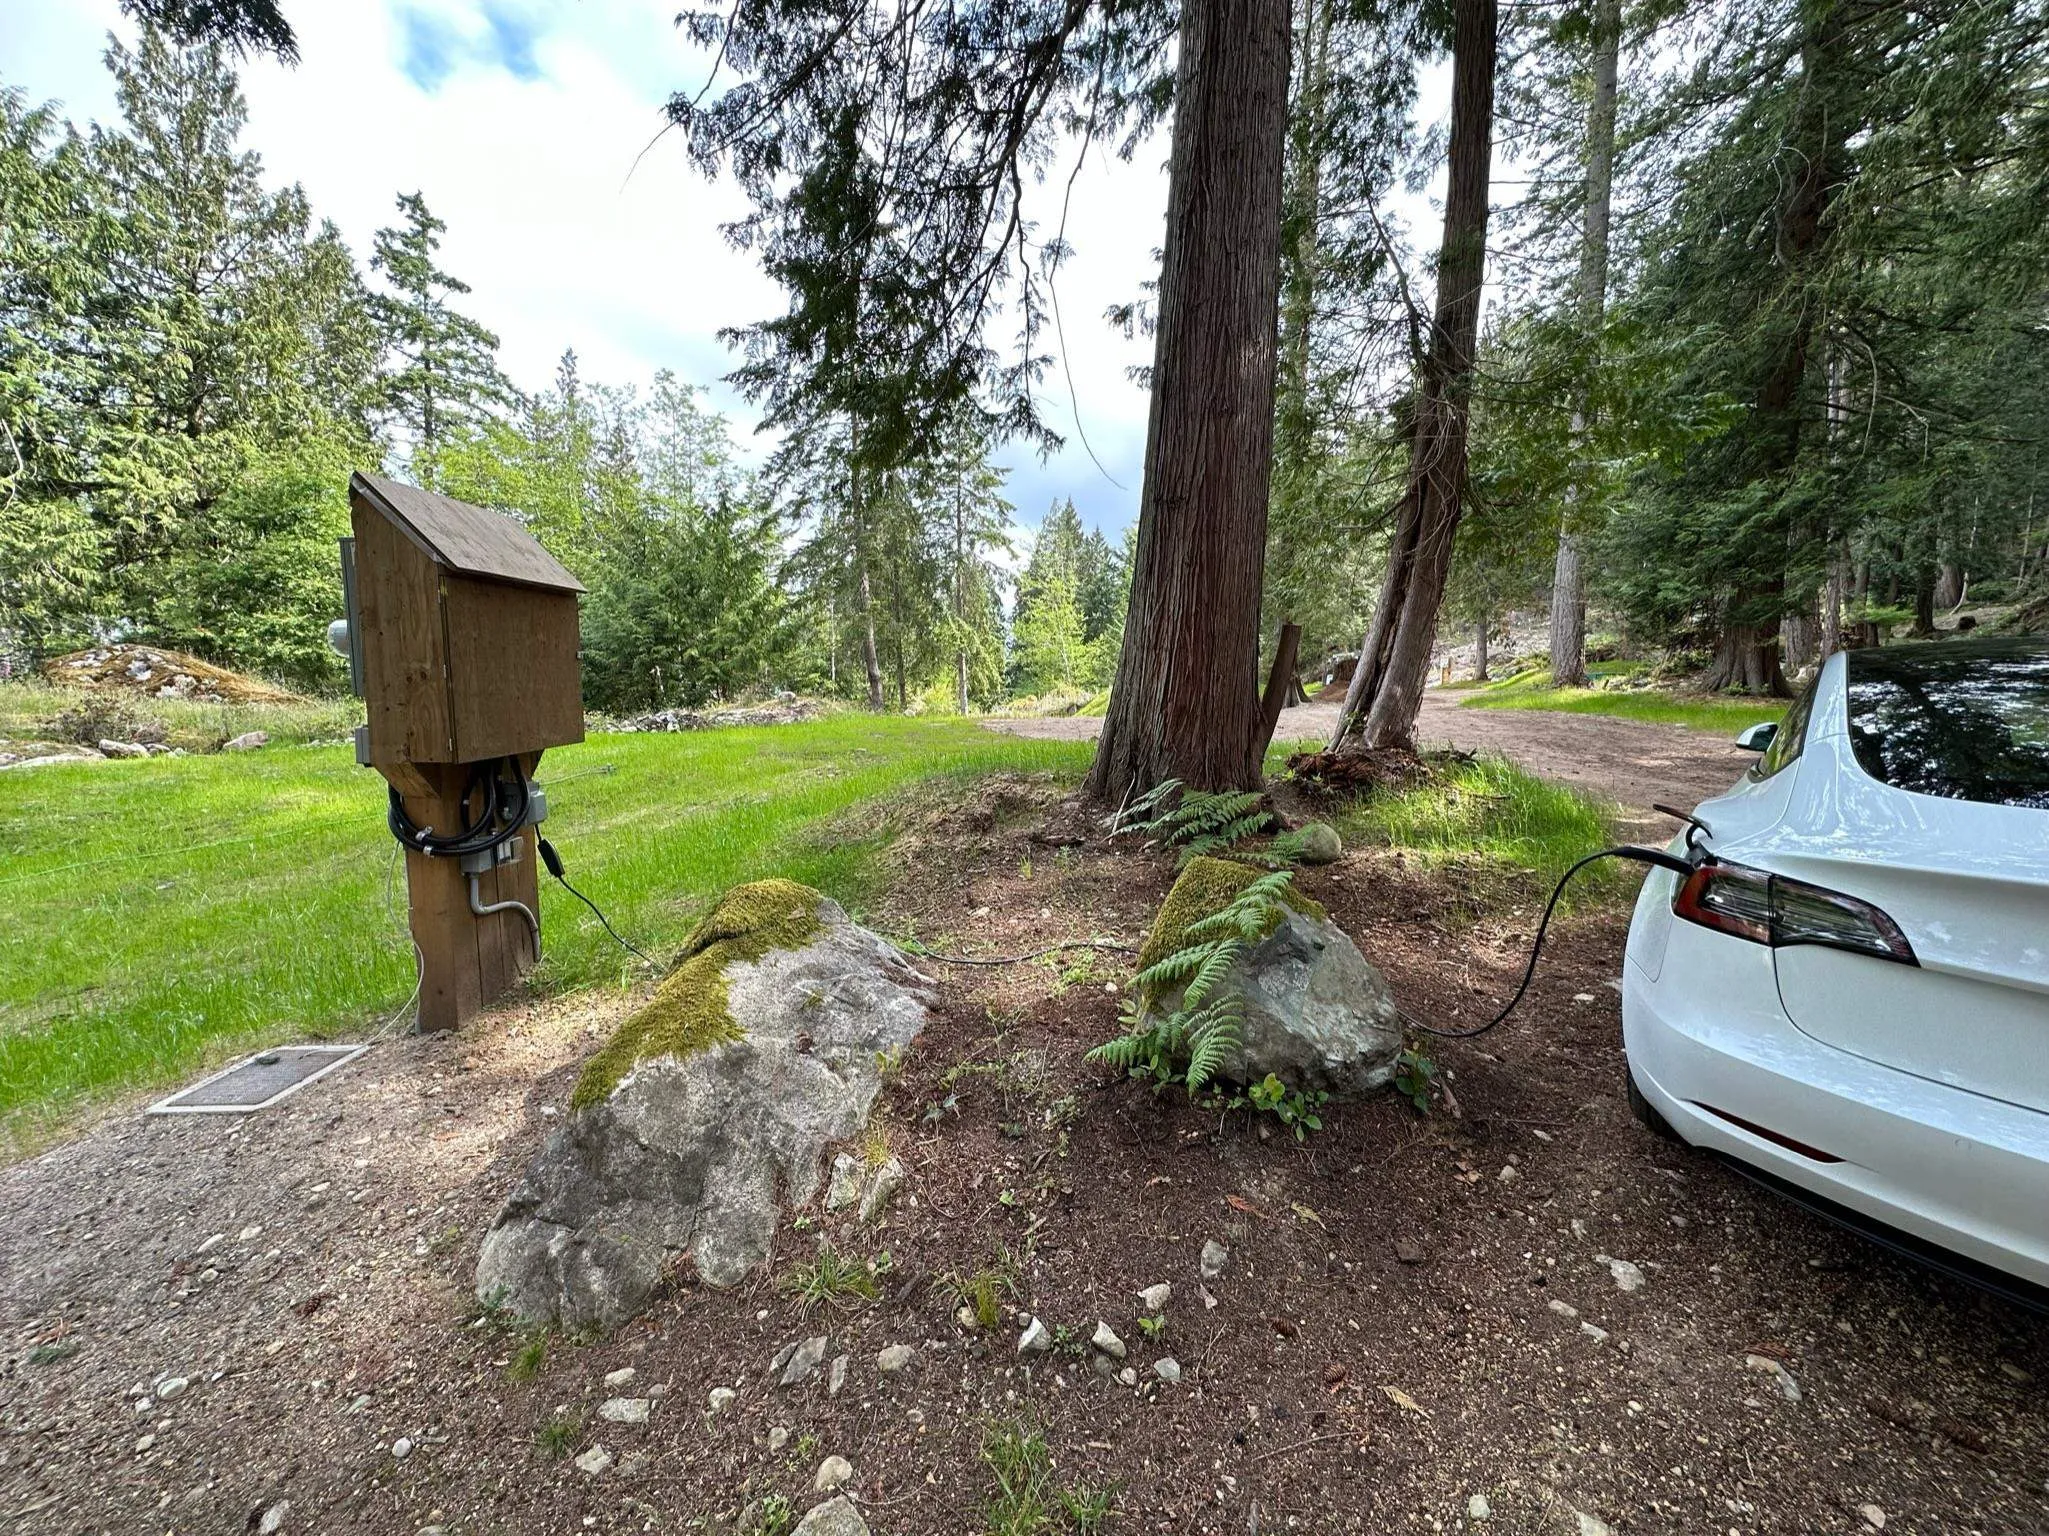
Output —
<point x="1316" y="1014"/>
<point x="708" y="1107"/>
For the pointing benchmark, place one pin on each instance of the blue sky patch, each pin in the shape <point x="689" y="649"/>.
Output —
<point x="434" y="45"/>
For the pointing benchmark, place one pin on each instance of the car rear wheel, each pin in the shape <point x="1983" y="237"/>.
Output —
<point x="1644" y="1110"/>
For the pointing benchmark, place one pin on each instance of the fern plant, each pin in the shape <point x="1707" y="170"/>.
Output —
<point x="1198" y="823"/>
<point x="1190" y="1042"/>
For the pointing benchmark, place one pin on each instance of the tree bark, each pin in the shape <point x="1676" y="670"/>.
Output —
<point x="1387" y="688"/>
<point x="869" y="657"/>
<point x="1748" y="658"/>
<point x="1480" y="651"/>
<point x="1568" y="577"/>
<point x="1185" y="703"/>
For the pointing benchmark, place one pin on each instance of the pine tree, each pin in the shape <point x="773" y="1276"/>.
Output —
<point x="442" y="374"/>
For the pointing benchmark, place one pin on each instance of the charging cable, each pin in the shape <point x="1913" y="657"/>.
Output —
<point x="1653" y="856"/>
<point x="553" y="860"/>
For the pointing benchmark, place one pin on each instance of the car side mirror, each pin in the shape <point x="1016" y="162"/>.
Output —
<point x="1758" y="737"/>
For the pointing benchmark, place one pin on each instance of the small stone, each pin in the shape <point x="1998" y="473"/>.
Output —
<point x="1168" y="1369"/>
<point x="1320" y="843"/>
<point x="778" y="1437"/>
<point x="1789" y="1388"/>
<point x="211" y="1243"/>
<point x="1216" y="1258"/>
<point x="1129" y="1376"/>
<point x="883" y="1183"/>
<point x="1209" y="1302"/>
<point x="836" y="1377"/>
<point x="965" y="1316"/>
<point x="844" y="1188"/>
<point x="273" y="1518"/>
<point x="1593" y="1525"/>
<point x="835" y="1517"/>
<point x="144" y="1443"/>
<point x="1036" y="1340"/>
<point x="1154" y="1298"/>
<point x="832" y="1472"/>
<point x="401" y="1448"/>
<point x="625" y="1410"/>
<point x="1598" y="1335"/>
<point x="894" y="1358"/>
<point x="1478" y="1509"/>
<point x="623" y="1377"/>
<point x="124" y="749"/>
<point x="249" y="1234"/>
<point x="1626" y="1275"/>
<point x="1509" y="1174"/>
<point x="804" y="1360"/>
<point x="171" y="1386"/>
<point x="1872" y="1516"/>
<point x="1562" y="1308"/>
<point x="595" y="1462"/>
<point x="1107" y="1341"/>
<point x="721" y="1398"/>
<point x="248" y="741"/>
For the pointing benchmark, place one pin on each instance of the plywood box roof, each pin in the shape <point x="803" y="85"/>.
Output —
<point x="467" y="540"/>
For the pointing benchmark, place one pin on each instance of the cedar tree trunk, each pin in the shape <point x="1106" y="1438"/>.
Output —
<point x="1387" y="688"/>
<point x="1568" y="578"/>
<point x="1185" y="703"/>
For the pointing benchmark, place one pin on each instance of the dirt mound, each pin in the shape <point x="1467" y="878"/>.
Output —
<point x="151" y="673"/>
<point x="1353" y="770"/>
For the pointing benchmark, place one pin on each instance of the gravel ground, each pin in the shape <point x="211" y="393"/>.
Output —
<point x="207" y="1325"/>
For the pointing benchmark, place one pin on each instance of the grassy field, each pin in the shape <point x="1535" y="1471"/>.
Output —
<point x="1486" y="816"/>
<point x="162" y="913"/>
<point x="1721" y="715"/>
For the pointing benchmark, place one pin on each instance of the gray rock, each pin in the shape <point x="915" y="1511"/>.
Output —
<point x="625" y="1410"/>
<point x="1478" y="1510"/>
<point x="1216" y="1258"/>
<point x="1320" y="843"/>
<point x="1789" y="1387"/>
<point x="1627" y="1276"/>
<point x="804" y="1361"/>
<point x="595" y="1462"/>
<point x="836" y="1377"/>
<point x="170" y="1387"/>
<point x="778" y="1437"/>
<point x="882" y="1184"/>
<point x="1154" y="1298"/>
<point x="1107" y="1341"/>
<point x="690" y="1156"/>
<point x="1129" y="1376"/>
<point x="896" y="1357"/>
<point x="1036" y="1340"/>
<point x="832" y="1473"/>
<point x="248" y="741"/>
<point x="273" y="1519"/>
<point x="835" y="1517"/>
<point x="721" y="1398"/>
<point x="623" y="1377"/>
<point x="401" y="1448"/>
<point x="124" y="749"/>
<point x="844" y="1187"/>
<point x="1168" y="1369"/>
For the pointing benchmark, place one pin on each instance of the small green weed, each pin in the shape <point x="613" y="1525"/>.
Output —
<point x="832" y="1279"/>
<point x="773" y="1516"/>
<point x="50" y="1354"/>
<point x="984" y="1290"/>
<point x="528" y="1359"/>
<point x="1295" y="1108"/>
<point x="1414" y="1074"/>
<point x="555" y="1438"/>
<point x="1027" y="1500"/>
<point x="1088" y="1507"/>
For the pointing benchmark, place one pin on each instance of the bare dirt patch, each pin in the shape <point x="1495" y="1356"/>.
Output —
<point x="1417" y="1310"/>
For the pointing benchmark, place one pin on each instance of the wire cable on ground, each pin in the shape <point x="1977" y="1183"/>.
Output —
<point x="1656" y="856"/>
<point x="553" y="860"/>
<point x="1037" y="954"/>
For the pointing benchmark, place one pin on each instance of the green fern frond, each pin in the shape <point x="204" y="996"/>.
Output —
<point x="1165" y="974"/>
<point x="1214" y="1035"/>
<point x="1216" y="965"/>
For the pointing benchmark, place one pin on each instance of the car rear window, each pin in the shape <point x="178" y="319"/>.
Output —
<point x="1967" y="720"/>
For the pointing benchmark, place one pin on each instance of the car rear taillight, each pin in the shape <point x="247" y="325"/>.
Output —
<point x="1775" y="910"/>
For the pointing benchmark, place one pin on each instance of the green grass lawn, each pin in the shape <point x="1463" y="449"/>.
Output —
<point x="1722" y="715"/>
<point x="161" y="913"/>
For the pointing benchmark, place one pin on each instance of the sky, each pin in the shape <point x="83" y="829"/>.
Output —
<point x="533" y="128"/>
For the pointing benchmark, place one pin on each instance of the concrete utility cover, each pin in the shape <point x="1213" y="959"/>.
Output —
<point x="260" y="1081"/>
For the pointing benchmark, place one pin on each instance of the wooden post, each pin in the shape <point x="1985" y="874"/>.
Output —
<point x="467" y="633"/>
<point x="466" y="961"/>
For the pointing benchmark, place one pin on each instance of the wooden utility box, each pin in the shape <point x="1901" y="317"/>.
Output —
<point x="463" y="645"/>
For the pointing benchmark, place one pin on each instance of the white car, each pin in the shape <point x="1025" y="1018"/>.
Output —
<point x="1849" y="996"/>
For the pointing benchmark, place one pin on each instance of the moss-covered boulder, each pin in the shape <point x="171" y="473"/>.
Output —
<point x="708" y="1110"/>
<point x="1316" y="1015"/>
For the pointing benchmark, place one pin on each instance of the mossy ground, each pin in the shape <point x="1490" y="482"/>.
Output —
<point x="691" y="1011"/>
<point x="1205" y="887"/>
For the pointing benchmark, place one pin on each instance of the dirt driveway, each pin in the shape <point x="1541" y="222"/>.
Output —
<point x="1519" y="1314"/>
<point x="1630" y="762"/>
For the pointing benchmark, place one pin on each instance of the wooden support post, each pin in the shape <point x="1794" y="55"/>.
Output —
<point x="467" y="962"/>
<point x="1280" y="682"/>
